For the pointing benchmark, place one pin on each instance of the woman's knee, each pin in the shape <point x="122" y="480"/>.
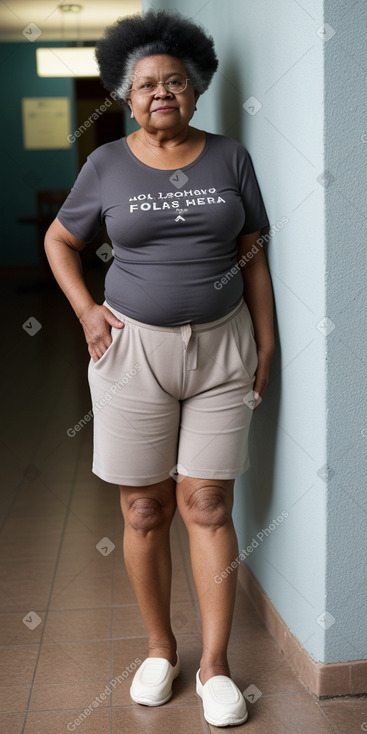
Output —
<point x="208" y="504"/>
<point x="149" y="508"/>
<point x="145" y="514"/>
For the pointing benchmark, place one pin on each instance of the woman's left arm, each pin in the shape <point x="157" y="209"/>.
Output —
<point x="258" y="295"/>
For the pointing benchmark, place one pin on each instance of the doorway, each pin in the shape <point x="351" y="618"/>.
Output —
<point x="100" y="120"/>
<point x="99" y="126"/>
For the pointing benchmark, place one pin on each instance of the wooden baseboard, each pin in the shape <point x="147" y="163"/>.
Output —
<point x="321" y="679"/>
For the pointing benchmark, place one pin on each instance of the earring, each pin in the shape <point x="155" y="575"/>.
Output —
<point x="132" y="113"/>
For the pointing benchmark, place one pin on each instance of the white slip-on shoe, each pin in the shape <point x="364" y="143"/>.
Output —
<point x="152" y="682"/>
<point x="223" y="702"/>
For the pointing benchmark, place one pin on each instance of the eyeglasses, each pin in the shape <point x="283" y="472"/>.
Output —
<point x="174" y="86"/>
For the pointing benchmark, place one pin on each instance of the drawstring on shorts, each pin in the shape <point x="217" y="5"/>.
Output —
<point x="190" y="348"/>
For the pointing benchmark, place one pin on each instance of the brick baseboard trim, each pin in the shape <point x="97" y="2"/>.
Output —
<point x="321" y="679"/>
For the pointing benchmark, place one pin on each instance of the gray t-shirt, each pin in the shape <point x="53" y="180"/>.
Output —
<point x="173" y="232"/>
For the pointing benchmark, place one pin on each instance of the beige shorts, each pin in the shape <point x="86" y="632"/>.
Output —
<point x="174" y="400"/>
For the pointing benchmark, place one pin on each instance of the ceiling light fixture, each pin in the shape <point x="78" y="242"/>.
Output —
<point x="67" y="61"/>
<point x="58" y="61"/>
<point x="71" y="8"/>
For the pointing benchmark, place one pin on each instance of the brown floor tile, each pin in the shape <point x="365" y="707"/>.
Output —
<point x="13" y="631"/>
<point x="149" y="720"/>
<point x="19" y="527"/>
<point x="80" y="555"/>
<point x="17" y="665"/>
<point x="36" y="500"/>
<point x="60" y="470"/>
<point x="122" y="590"/>
<point x="184" y="618"/>
<point x="346" y="715"/>
<point x="97" y="527"/>
<point x="70" y="695"/>
<point x="87" y="499"/>
<point x="90" y="514"/>
<point x="128" y="622"/>
<point x="181" y="590"/>
<point x="17" y="595"/>
<point x="13" y="698"/>
<point x="291" y="714"/>
<point x="180" y="533"/>
<point x="89" y="484"/>
<point x="73" y="661"/>
<point x="11" y="723"/>
<point x="44" y="722"/>
<point x="26" y="546"/>
<point x="245" y="615"/>
<point x="79" y="535"/>
<point x="13" y="473"/>
<point x="79" y="624"/>
<point x="39" y="567"/>
<point x="255" y="658"/>
<point x="61" y="490"/>
<point x="81" y="591"/>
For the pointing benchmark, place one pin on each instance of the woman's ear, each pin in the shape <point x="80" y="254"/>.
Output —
<point x="128" y="102"/>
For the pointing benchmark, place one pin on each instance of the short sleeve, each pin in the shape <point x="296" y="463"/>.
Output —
<point x="81" y="212"/>
<point x="255" y="213"/>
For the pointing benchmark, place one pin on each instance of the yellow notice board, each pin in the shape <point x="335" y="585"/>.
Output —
<point x="46" y="122"/>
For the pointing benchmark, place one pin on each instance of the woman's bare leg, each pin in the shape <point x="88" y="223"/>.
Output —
<point x="148" y="513"/>
<point x="206" y="509"/>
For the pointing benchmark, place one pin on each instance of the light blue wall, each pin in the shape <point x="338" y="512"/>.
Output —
<point x="315" y="405"/>
<point x="346" y="265"/>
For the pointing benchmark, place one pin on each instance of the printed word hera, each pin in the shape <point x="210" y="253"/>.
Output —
<point x="176" y="204"/>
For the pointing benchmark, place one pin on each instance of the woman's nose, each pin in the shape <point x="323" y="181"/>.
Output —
<point x="162" y="91"/>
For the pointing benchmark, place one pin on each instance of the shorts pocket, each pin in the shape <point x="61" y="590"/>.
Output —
<point x="105" y="355"/>
<point x="245" y="342"/>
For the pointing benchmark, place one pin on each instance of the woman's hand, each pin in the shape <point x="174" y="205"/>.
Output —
<point x="259" y="298"/>
<point x="97" y="322"/>
<point x="262" y="375"/>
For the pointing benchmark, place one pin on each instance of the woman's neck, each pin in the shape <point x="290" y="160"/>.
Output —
<point x="170" y="152"/>
<point x="164" y="138"/>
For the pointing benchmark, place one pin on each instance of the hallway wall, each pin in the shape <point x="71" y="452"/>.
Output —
<point x="345" y="99"/>
<point x="25" y="171"/>
<point x="305" y="68"/>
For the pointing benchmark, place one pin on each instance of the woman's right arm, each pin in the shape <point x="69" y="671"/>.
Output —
<point x="62" y="250"/>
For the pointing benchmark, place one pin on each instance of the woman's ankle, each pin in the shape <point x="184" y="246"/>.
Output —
<point x="209" y="669"/>
<point x="166" y="649"/>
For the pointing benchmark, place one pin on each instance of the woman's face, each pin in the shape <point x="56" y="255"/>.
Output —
<point x="161" y="110"/>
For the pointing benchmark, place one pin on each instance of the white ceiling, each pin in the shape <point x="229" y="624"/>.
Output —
<point x="55" y="25"/>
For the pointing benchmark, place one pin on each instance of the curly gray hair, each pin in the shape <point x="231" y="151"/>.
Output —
<point x="134" y="37"/>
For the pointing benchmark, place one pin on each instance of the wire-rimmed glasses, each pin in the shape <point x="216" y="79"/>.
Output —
<point x="173" y="86"/>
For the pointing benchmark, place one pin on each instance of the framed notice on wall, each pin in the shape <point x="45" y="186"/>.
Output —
<point x="46" y="122"/>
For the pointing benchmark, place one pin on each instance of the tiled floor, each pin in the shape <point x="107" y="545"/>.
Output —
<point x="69" y="621"/>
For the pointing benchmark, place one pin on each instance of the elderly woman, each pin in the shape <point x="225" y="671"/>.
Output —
<point x="181" y="348"/>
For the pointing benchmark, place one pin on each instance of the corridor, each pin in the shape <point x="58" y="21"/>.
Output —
<point x="71" y="631"/>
